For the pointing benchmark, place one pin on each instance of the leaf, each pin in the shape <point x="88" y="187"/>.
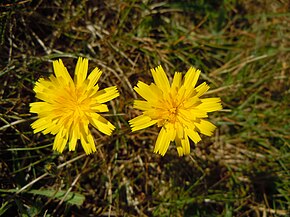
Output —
<point x="5" y="206"/>
<point x="72" y="197"/>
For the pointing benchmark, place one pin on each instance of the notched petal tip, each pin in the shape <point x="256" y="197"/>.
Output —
<point x="141" y="122"/>
<point x="94" y="76"/>
<point x="160" y="78"/>
<point x="81" y="71"/>
<point x="107" y="94"/>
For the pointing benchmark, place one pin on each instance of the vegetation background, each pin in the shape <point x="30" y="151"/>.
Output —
<point x="242" y="48"/>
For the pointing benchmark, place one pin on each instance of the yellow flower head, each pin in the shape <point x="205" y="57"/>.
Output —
<point x="176" y="108"/>
<point x="70" y="105"/>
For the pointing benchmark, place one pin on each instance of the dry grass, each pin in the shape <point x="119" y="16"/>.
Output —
<point x="242" y="49"/>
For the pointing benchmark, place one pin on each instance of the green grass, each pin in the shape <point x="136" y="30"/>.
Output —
<point x="242" y="48"/>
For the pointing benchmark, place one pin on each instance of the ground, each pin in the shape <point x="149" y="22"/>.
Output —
<point x="242" y="49"/>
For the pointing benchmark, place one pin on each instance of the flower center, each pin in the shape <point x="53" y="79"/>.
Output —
<point x="171" y="108"/>
<point x="172" y="113"/>
<point x="73" y="101"/>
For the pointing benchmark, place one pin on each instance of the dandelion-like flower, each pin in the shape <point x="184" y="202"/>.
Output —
<point x="70" y="105"/>
<point x="176" y="108"/>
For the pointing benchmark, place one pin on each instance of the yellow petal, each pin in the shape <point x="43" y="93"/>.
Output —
<point x="61" y="71"/>
<point x="191" y="102"/>
<point x="41" y="85"/>
<point x="45" y="97"/>
<point x="52" y="127"/>
<point x="176" y="83"/>
<point x="205" y="127"/>
<point x="37" y="107"/>
<point x="40" y="124"/>
<point x="63" y="144"/>
<point x="74" y="136"/>
<point x="179" y="147"/>
<point x="185" y="145"/>
<point x="92" y="91"/>
<point x="88" y="144"/>
<point x="179" y="130"/>
<point x="84" y="127"/>
<point x="72" y="141"/>
<point x="107" y="94"/>
<point x="191" y="77"/>
<point x="156" y="90"/>
<point x="147" y="92"/>
<point x="197" y="113"/>
<point x="100" y="108"/>
<point x="161" y="140"/>
<point x="142" y="105"/>
<point x="59" y="140"/>
<point x="94" y="77"/>
<point x="210" y="104"/>
<point x="201" y="89"/>
<point x="141" y="122"/>
<point x="170" y="135"/>
<point x="101" y="124"/>
<point x="193" y="135"/>
<point x="181" y="140"/>
<point x="85" y="145"/>
<point x="186" y="114"/>
<point x="91" y="142"/>
<point x="81" y="71"/>
<point x="160" y="78"/>
<point x="76" y="129"/>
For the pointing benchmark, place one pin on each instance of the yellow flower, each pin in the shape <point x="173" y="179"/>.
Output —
<point x="176" y="108"/>
<point x="70" y="105"/>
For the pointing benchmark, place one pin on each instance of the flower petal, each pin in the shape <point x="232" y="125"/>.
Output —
<point x="141" y="122"/>
<point x="81" y="71"/>
<point x="52" y="127"/>
<point x="61" y="71"/>
<point x="85" y="145"/>
<point x="147" y="92"/>
<point x="99" y="108"/>
<point x="210" y="104"/>
<point x="191" y="77"/>
<point x="201" y="89"/>
<point x="193" y="135"/>
<point x="205" y="127"/>
<point x="88" y="144"/>
<point x="185" y="145"/>
<point x="107" y="94"/>
<point x="162" y="142"/>
<point x="179" y="147"/>
<point x="59" y="141"/>
<point x="160" y="78"/>
<point x="40" y="124"/>
<point x="101" y="123"/>
<point x="94" y="77"/>
<point x="176" y="83"/>
<point x="73" y="140"/>
<point x="142" y="105"/>
<point x="40" y="107"/>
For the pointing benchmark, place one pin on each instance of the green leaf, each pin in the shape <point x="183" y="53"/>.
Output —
<point x="4" y="207"/>
<point x="72" y="197"/>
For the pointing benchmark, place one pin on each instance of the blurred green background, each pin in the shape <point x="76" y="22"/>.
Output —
<point x="243" y="51"/>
